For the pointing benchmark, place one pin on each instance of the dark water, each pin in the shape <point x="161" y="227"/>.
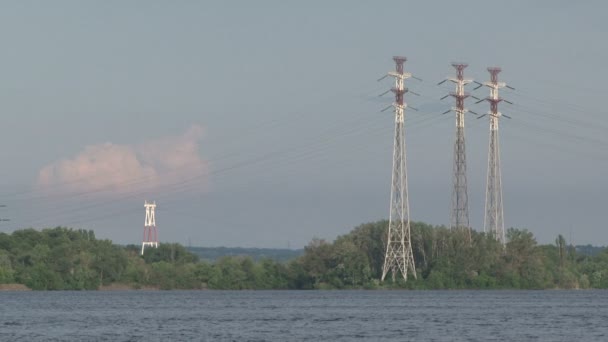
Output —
<point x="305" y="316"/>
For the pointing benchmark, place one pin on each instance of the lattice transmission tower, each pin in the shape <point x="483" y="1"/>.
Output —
<point x="459" y="215"/>
<point x="399" y="256"/>
<point x="494" y="214"/>
<point x="150" y="232"/>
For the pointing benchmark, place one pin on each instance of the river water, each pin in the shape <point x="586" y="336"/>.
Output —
<point x="304" y="316"/>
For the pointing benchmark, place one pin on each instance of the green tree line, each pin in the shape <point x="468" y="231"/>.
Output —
<point x="69" y="259"/>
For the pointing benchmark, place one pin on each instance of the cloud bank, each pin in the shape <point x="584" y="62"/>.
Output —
<point x="168" y="163"/>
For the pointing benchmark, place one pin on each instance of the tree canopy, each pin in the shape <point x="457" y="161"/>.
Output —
<point x="74" y="259"/>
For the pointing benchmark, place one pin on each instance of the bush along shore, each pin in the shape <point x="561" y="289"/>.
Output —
<point x="69" y="259"/>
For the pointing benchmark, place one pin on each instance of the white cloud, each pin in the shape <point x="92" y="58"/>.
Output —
<point x="109" y="168"/>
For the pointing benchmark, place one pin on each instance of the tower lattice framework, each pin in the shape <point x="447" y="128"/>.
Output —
<point x="459" y="218"/>
<point x="150" y="233"/>
<point x="399" y="256"/>
<point x="493" y="219"/>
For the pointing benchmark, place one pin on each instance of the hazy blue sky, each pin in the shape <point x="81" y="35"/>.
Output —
<point x="257" y="123"/>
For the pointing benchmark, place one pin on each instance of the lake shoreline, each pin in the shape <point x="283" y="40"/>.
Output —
<point x="14" y="287"/>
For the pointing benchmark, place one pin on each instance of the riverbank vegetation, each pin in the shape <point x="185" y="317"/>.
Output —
<point x="68" y="259"/>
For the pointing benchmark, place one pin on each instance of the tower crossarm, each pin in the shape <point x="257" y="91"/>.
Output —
<point x="497" y="85"/>
<point x="459" y="81"/>
<point x="399" y="97"/>
<point x="403" y="76"/>
<point x="494" y="105"/>
<point x="494" y="87"/>
<point x="459" y="97"/>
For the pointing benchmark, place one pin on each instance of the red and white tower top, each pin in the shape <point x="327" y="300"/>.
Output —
<point x="460" y="95"/>
<point x="494" y="98"/>
<point x="399" y="89"/>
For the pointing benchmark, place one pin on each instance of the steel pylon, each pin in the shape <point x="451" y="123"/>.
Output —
<point x="399" y="256"/>
<point x="459" y="216"/>
<point x="493" y="219"/>
<point x="150" y="233"/>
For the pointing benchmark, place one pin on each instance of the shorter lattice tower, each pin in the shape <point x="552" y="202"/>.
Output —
<point x="150" y="232"/>
<point x="493" y="219"/>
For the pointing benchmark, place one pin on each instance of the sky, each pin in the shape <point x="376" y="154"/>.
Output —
<point x="258" y="124"/>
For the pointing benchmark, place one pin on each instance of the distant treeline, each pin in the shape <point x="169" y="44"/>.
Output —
<point x="257" y="254"/>
<point x="68" y="259"/>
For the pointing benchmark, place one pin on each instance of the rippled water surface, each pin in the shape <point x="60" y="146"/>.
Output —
<point x="304" y="316"/>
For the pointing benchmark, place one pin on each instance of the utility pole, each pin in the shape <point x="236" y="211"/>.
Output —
<point x="459" y="215"/>
<point x="493" y="220"/>
<point x="150" y="233"/>
<point x="399" y="256"/>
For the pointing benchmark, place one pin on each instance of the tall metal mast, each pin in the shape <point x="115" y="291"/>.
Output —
<point x="460" y="197"/>
<point x="493" y="220"/>
<point x="399" y="256"/>
<point x="150" y="233"/>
